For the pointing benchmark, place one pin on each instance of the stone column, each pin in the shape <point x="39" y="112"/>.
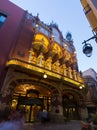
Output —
<point x="70" y="72"/>
<point x="84" y="113"/>
<point x="75" y="74"/>
<point x="40" y="60"/>
<point x="48" y="63"/>
<point x="57" y="109"/>
<point x="64" y="69"/>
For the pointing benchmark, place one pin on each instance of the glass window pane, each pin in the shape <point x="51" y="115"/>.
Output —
<point x="2" y="18"/>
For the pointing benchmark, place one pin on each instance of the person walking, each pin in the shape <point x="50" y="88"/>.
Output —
<point x="44" y="116"/>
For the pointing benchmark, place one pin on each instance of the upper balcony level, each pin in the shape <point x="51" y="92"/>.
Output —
<point x="48" y="52"/>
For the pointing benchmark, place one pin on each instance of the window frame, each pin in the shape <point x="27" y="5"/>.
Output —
<point x="4" y="17"/>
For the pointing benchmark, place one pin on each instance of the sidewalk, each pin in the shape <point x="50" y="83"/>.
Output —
<point x="74" y="125"/>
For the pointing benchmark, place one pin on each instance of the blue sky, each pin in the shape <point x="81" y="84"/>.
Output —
<point x="69" y="16"/>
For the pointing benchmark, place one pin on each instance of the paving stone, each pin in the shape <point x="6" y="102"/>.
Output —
<point x="50" y="126"/>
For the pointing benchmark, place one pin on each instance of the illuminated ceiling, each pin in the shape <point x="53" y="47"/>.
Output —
<point x="22" y="88"/>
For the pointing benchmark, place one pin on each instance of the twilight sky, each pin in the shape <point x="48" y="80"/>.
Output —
<point x="69" y="16"/>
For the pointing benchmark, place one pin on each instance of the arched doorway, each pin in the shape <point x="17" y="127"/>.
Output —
<point x="33" y="98"/>
<point x="70" y="110"/>
<point x="31" y="92"/>
<point x="71" y="101"/>
<point x="35" y="92"/>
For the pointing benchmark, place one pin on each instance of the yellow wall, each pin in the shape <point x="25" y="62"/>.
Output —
<point x="90" y="12"/>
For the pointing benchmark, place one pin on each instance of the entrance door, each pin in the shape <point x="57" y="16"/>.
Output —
<point x="32" y="107"/>
<point x="32" y="113"/>
<point x="28" y="113"/>
<point x="70" y="108"/>
<point x="70" y="112"/>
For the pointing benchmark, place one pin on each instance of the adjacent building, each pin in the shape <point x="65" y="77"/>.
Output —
<point x="90" y="80"/>
<point x="38" y="66"/>
<point x="90" y="10"/>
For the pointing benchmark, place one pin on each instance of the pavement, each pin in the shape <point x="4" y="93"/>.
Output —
<point x="72" y="125"/>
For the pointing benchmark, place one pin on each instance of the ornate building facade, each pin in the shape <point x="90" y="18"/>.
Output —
<point x="38" y="66"/>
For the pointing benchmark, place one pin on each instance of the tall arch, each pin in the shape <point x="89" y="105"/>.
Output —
<point x="30" y="92"/>
<point x="73" y="101"/>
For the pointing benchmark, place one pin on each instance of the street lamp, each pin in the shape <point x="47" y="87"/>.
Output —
<point x="87" y="48"/>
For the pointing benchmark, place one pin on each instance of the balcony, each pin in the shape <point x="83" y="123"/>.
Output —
<point x="66" y="74"/>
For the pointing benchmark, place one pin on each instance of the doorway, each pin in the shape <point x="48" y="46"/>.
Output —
<point x="70" y="110"/>
<point x="32" y="113"/>
<point x="32" y="108"/>
<point x="32" y="98"/>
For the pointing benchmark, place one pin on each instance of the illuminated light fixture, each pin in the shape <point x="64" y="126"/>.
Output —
<point x="75" y="52"/>
<point x="87" y="48"/>
<point x="36" y="27"/>
<point x="53" y="37"/>
<point x="80" y="87"/>
<point x="65" y="45"/>
<point x="44" y="75"/>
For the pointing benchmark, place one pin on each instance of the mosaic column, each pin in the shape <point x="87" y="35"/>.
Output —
<point x="57" y="109"/>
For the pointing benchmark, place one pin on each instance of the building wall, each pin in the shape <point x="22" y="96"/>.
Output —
<point x="29" y="52"/>
<point x="90" y="72"/>
<point x="90" y="10"/>
<point x="8" y="30"/>
<point x="90" y="79"/>
<point x="24" y="41"/>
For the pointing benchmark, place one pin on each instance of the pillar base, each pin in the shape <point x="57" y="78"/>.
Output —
<point x="56" y="118"/>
